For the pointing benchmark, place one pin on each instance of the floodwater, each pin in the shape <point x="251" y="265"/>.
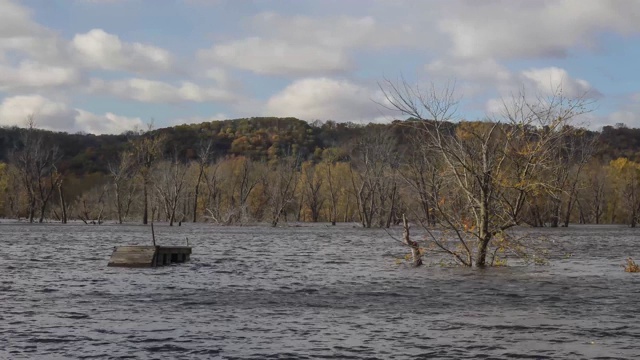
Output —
<point x="308" y="292"/>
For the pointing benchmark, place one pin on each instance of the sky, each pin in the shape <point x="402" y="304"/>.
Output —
<point x="108" y="66"/>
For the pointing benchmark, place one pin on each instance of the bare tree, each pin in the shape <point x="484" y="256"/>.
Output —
<point x="91" y="205"/>
<point x="595" y="191"/>
<point x="491" y="166"/>
<point x="581" y="148"/>
<point x="63" y="202"/>
<point x="205" y="150"/>
<point x="416" y="253"/>
<point x="124" y="184"/>
<point x="244" y="180"/>
<point x="311" y="184"/>
<point x="213" y="194"/>
<point x="332" y="165"/>
<point x="36" y="163"/>
<point x="573" y="152"/>
<point x="229" y="185"/>
<point x="169" y="184"/>
<point x="282" y="186"/>
<point x="371" y="170"/>
<point x="18" y="198"/>
<point x="146" y="149"/>
<point x="421" y="171"/>
<point x="627" y="182"/>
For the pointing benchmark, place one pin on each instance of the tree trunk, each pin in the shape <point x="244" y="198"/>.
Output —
<point x="567" y="216"/>
<point x="334" y="210"/>
<point x="481" y="257"/>
<point x="276" y="218"/>
<point x="63" y="204"/>
<point x="484" y="234"/>
<point x="391" y="208"/>
<point x="118" y="203"/>
<point x="145" y="214"/>
<point x="43" y="209"/>
<point x="195" y="196"/>
<point x="32" y="210"/>
<point x="300" y="206"/>
<point x="416" y="256"/>
<point x="555" y="219"/>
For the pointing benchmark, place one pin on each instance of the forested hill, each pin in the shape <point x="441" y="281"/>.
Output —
<point x="259" y="138"/>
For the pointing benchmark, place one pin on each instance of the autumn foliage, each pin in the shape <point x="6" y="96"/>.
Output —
<point x="227" y="172"/>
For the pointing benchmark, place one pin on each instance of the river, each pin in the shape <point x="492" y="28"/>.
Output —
<point x="308" y="292"/>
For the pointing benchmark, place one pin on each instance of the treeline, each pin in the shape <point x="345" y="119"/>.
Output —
<point x="276" y="170"/>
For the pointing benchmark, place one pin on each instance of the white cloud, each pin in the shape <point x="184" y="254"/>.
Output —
<point x="485" y="70"/>
<point x="472" y="41"/>
<point x="326" y="99"/>
<point x="101" y="50"/>
<point x="58" y="116"/>
<point x="219" y="75"/>
<point x="336" y="32"/>
<point x="628" y="113"/>
<point x="31" y="74"/>
<point x="102" y="1"/>
<point x="46" y="48"/>
<point x="472" y="79"/>
<point x="478" y="79"/>
<point x="302" y="45"/>
<point x="550" y="79"/>
<point x="15" y="20"/>
<point x="21" y="35"/>
<point x="108" y="123"/>
<point x="277" y="57"/>
<point x="48" y="114"/>
<point x="538" y="84"/>
<point x="19" y="32"/>
<point x="629" y="118"/>
<point x="519" y="29"/>
<point x="152" y="91"/>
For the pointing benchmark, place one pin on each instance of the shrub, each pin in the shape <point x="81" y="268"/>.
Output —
<point x="631" y="266"/>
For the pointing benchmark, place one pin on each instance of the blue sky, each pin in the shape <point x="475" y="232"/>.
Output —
<point x="107" y="66"/>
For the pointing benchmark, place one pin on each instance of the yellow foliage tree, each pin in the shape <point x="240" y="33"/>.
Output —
<point x="625" y="175"/>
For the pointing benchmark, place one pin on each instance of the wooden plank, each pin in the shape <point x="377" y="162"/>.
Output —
<point x="175" y="249"/>
<point x="148" y="256"/>
<point x="133" y="256"/>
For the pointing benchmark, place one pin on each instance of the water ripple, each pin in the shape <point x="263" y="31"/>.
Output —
<point x="312" y="292"/>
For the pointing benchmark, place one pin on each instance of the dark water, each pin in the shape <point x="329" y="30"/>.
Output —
<point x="308" y="293"/>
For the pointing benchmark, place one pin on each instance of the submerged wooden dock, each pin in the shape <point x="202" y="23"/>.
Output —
<point x="148" y="256"/>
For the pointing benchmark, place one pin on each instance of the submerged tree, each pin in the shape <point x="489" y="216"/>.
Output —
<point x="204" y="152"/>
<point x="169" y="184"/>
<point x="311" y="185"/>
<point x="281" y="188"/>
<point x="627" y="186"/>
<point x="36" y="164"/>
<point x="124" y="185"/>
<point x="90" y="206"/>
<point x="490" y="166"/>
<point x="147" y="149"/>
<point x="373" y="165"/>
<point x="420" y="169"/>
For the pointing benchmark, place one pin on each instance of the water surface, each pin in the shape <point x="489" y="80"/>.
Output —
<point x="308" y="292"/>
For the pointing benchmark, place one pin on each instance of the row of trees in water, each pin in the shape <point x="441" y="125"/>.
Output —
<point x="473" y="180"/>
<point x="372" y="182"/>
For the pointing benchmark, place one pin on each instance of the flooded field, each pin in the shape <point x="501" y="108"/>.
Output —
<point x="308" y="292"/>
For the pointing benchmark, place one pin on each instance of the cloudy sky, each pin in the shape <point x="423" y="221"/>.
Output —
<point x="106" y="66"/>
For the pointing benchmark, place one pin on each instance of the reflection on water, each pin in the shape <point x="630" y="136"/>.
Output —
<point x="306" y="293"/>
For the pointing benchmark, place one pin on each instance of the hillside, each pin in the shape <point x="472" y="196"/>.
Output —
<point x="259" y="138"/>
